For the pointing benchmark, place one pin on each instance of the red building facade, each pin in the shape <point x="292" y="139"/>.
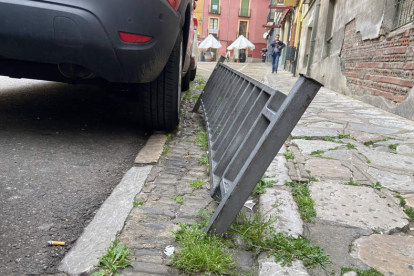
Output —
<point x="227" y="19"/>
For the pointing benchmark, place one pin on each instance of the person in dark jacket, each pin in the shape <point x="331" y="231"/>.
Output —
<point x="277" y="47"/>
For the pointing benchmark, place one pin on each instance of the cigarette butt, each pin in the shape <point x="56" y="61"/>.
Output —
<point x="56" y="243"/>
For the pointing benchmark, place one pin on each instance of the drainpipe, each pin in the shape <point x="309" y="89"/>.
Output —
<point x="313" y="37"/>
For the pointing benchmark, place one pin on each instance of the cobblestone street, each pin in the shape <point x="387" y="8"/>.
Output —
<point x="357" y="161"/>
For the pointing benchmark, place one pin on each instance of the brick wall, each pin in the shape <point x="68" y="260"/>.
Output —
<point x="381" y="67"/>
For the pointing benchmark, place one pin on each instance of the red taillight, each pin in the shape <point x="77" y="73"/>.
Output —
<point x="134" y="38"/>
<point x="195" y="22"/>
<point x="174" y="3"/>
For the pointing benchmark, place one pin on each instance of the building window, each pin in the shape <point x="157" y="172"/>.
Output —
<point x="243" y="28"/>
<point x="244" y="8"/>
<point x="213" y="27"/>
<point x="404" y="13"/>
<point x="214" y="7"/>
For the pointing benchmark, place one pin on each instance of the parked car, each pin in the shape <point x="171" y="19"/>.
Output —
<point x="137" y="45"/>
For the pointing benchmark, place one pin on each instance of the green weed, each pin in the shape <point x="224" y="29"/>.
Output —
<point x="205" y="216"/>
<point x="352" y="183"/>
<point x="200" y="87"/>
<point x="286" y="249"/>
<point x="197" y="184"/>
<point x="201" y="140"/>
<point x="137" y="203"/>
<point x="177" y="198"/>
<point x="370" y="143"/>
<point x="317" y="153"/>
<point x="377" y="186"/>
<point x="252" y="230"/>
<point x="289" y="155"/>
<point x="302" y="138"/>
<point x="345" y="136"/>
<point x="204" y="159"/>
<point x="201" y="81"/>
<point x="368" y="272"/>
<point x="262" y="185"/>
<point x="201" y="253"/>
<point x="301" y="194"/>
<point x="402" y="200"/>
<point x="350" y="146"/>
<point x="165" y="150"/>
<point x="329" y="138"/>
<point x="188" y="94"/>
<point x="410" y="213"/>
<point x="393" y="148"/>
<point x="195" y="97"/>
<point x="116" y="257"/>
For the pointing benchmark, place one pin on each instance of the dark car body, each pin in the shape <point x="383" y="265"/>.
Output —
<point x="36" y="36"/>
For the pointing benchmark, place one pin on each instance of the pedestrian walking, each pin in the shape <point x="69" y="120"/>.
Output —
<point x="228" y="56"/>
<point x="277" y="47"/>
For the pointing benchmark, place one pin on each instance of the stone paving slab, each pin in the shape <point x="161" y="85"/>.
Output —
<point x="401" y="183"/>
<point x="309" y="146"/>
<point x="152" y="150"/>
<point x="277" y="203"/>
<point x="361" y="207"/>
<point x="268" y="267"/>
<point x="336" y="240"/>
<point x="391" y="255"/>
<point x="328" y="169"/>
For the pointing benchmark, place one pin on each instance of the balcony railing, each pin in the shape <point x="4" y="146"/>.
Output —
<point x="243" y="12"/>
<point x="214" y="11"/>
<point x="404" y="13"/>
<point x="215" y="34"/>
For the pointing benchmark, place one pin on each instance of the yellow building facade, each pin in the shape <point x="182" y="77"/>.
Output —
<point x="198" y="13"/>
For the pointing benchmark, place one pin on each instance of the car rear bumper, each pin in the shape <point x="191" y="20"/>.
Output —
<point x="86" y="32"/>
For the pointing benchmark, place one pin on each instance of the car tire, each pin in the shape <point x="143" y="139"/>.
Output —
<point x="193" y="74"/>
<point x="160" y="99"/>
<point x="185" y="82"/>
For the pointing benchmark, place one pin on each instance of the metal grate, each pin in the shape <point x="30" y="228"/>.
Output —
<point x="404" y="13"/>
<point x="247" y="123"/>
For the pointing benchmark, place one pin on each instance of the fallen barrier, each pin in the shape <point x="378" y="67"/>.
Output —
<point x="247" y="123"/>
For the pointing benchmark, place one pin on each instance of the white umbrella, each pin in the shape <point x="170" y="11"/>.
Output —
<point x="210" y="42"/>
<point x="241" y="43"/>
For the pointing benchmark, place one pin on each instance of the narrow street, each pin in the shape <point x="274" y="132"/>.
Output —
<point x="63" y="149"/>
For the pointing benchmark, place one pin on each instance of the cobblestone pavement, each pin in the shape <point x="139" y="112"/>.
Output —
<point x="361" y="157"/>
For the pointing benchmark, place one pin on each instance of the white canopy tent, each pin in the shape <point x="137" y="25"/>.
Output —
<point x="241" y="43"/>
<point x="210" y="42"/>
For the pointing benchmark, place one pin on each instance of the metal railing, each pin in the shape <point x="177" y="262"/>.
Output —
<point x="214" y="11"/>
<point x="244" y="12"/>
<point x="404" y="13"/>
<point x="247" y="123"/>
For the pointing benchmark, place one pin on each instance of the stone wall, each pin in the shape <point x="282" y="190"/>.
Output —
<point x="380" y="67"/>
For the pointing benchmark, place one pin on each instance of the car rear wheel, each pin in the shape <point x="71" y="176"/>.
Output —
<point x="193" y="74"/>
<point x="160" y="99"/>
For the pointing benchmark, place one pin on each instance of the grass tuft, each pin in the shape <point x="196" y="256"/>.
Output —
<point x="410" y="213"/>
<point x="137" y="203"/>
<point x="252" y="230"/>
<point x="204" y="159"/>
<point x="301" y="194"/>
<point x="350" y="146"/>
<point x="302" y="138"/>
<point x="393" y="148"/>
<point x="197" y="184"/>
<point x="317" y="153"/>
<point x="287" y="249"/>
<point x="201" y="253"/>
<point x="345" y="136"/>
<point x="352" y="183"/>
<point x="188" y="94"/>
<point x="370" y="143"/>
<point x="289" y="155"/>
<point x="377" y="186"/>
<point x="262" y="185"/>
<point x="329" y="138"/>
<point x="165" y="150"/>
<point x="116" y="257"/>
<point x="201" y="140"/>
<point x="169" y="138"/>
<point x="177" y="198"/>
<point x="368" y="272"/>
<point x="402" y="200"/>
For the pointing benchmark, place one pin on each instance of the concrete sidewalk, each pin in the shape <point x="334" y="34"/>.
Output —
<point x="362" y="157"/>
